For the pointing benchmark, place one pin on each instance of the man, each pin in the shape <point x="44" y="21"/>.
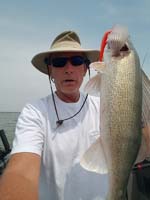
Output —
<point x="53" y="133"/>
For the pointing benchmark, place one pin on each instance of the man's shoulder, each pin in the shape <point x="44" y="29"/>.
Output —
<point x="37" y="106"/>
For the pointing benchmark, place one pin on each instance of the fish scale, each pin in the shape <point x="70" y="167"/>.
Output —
<point x="124" y="114"/>
<point x="120" y="114"/>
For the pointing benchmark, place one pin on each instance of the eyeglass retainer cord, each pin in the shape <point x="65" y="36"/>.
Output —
<point x="60" y="121"/>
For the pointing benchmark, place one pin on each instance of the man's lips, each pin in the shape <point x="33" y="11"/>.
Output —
<point x="68" y="80"/>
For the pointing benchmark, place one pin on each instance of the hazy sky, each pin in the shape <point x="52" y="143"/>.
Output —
<point x="28" y="27"/>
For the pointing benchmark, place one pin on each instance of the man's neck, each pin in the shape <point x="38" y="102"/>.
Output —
<point x="68" y="98"/>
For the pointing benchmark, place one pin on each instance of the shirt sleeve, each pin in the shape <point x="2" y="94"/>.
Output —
<point x="29" y="133"/>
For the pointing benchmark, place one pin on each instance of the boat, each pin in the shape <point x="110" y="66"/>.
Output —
<point x="4" y="152"/>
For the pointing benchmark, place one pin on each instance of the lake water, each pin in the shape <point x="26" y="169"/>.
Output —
<point x="8" y="122"/>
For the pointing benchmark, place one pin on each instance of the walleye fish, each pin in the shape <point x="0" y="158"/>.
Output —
<point x="119" y="81"/>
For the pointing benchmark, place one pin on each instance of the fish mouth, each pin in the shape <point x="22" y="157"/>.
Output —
<point x="124" y="48"/>
<point x="119" y="51"/>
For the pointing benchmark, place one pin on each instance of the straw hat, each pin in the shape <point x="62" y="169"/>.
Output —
<point x="67" y="41"/>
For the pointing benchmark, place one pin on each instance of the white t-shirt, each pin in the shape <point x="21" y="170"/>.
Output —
<point x="61" y="148"/>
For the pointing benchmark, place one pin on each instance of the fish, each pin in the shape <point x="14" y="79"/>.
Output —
<point x="119" y="83"/>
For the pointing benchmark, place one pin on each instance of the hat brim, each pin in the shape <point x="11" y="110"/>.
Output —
<point x="38" y="60"/>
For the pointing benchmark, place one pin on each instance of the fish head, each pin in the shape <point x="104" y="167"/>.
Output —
<point x="118" y="42"/>
<point x="115" y="43"/>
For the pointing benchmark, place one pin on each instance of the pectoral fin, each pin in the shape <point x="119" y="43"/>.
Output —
<point x="94" y="158"/>
<point x="146" y="99"/>
<point x="94" y="84"/>
<point x="98" y="66"/>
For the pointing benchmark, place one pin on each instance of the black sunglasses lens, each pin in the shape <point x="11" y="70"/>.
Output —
<point x="59" y="61"/>
<point x="77" y="60"/>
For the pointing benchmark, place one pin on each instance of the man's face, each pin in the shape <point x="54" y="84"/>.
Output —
<point x="68" y="78"/>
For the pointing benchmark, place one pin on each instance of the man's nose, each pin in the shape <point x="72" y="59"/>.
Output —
<point x="69" y="67"/>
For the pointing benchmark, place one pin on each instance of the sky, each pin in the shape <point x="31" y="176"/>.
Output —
<point x="28" y="27"/>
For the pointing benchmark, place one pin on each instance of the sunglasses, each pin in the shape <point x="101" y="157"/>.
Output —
<point x="74" y="60"/>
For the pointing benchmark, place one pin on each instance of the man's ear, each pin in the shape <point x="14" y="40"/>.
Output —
<point x="85" y="70"/>
<point x="49" y="70"/>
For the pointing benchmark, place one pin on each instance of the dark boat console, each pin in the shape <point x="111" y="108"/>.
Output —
<point x="4" y="152"/>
